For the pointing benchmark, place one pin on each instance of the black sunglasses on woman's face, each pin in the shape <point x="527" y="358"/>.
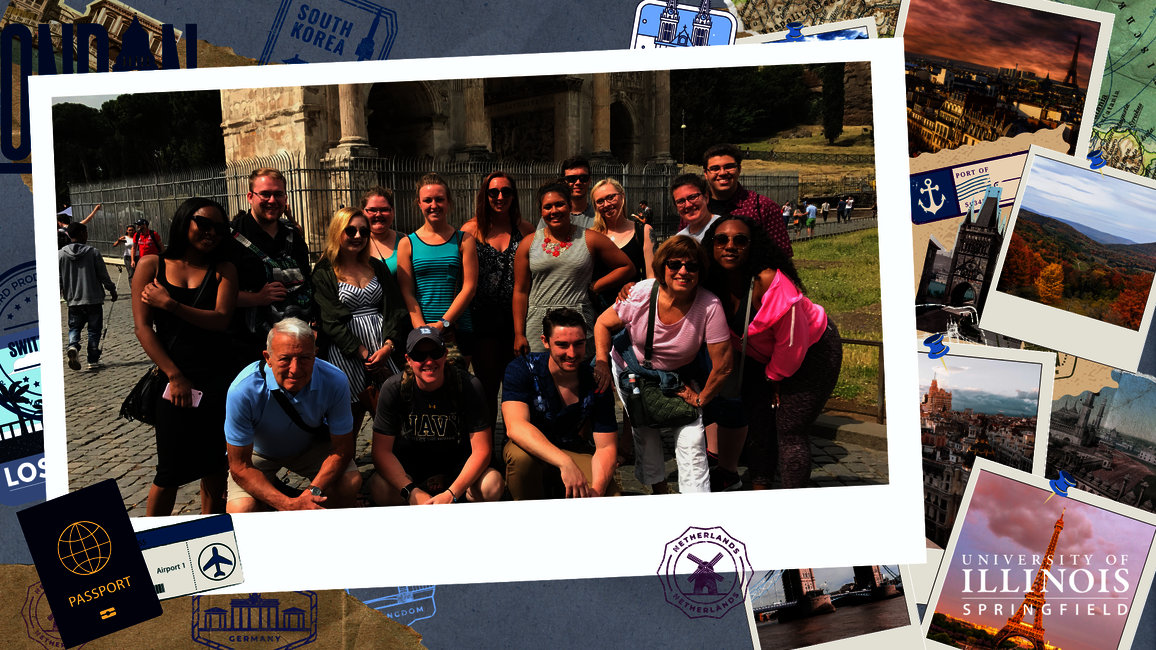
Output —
<point x="353" y="231"/>
<point x="208" y="225"/>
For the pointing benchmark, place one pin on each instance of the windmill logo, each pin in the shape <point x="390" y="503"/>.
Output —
<point x="705" y="572"/>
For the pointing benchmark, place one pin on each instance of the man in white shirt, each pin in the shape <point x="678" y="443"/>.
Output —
<point x="691" y="195"/>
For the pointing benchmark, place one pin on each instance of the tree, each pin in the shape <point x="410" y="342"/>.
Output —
<point x="1050" y="284"/>
<point x="1022" y="265"/>
<point x="1129" y="306"/>
<point x="832" y="76"/>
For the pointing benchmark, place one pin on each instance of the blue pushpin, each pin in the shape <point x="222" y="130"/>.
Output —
<point x="1060" y="486"/>
<point x="937" y="349"/>
<point x="795" y="32"/>
<point x="1097" y="159"/>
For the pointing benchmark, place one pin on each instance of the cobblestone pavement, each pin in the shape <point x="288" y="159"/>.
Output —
<point x="100" y="446"/>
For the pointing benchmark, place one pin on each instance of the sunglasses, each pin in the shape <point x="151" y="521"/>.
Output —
<point x="353" y="231"/>
<point x="421" y="355"/>
<point x="676" y="265"/>
<point x="206" y="224"/>
<point x="741" y="241"/>
<point x="495" y="192"/>
<point x="578" y="178"/>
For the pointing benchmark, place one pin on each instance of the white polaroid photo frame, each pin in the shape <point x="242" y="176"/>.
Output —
<point x="520" y="541"/>
<point x="1046" y="362"/>
<point x="867" y="23"/>
<point x="1099" y="61"/>
<point x="1144" y="580"/>
<point x="1050" y="327"/>
<point x="906" y="636"/>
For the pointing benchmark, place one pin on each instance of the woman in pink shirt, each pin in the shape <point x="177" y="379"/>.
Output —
<point x="793" y="352"/>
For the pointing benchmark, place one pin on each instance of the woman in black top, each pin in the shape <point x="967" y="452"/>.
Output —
<point x="632" y="237"/>
<point x="498" y="229"/>
<point x="191" y="348"/>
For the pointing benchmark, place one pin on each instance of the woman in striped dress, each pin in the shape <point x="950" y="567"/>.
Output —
<point x="437" y="268"/>
<point x="362" y="312"/>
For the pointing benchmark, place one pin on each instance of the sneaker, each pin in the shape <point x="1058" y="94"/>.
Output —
<point x="94" y="365"/>
<point x="724" y="481"/>
<point x="73" y="358"/>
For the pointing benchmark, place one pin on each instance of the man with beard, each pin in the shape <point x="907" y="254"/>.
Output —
<point x="722" y="164"/>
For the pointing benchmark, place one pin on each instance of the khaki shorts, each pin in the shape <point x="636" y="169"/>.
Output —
<point x="306" y="463"/>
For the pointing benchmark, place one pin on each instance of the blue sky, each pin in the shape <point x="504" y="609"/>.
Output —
<point x="985" y="385"/>
<point x="1081" y="195"/>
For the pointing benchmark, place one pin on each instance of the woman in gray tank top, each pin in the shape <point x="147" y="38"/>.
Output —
<point x="557" y="268"/>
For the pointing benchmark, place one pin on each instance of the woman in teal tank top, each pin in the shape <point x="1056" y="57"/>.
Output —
<point x="377" y="204"/>
<point x="437" y="268"/>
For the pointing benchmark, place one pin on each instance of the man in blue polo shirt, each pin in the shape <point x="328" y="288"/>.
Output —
<point x="562" y="433"/>
<point x="291" y="410"/>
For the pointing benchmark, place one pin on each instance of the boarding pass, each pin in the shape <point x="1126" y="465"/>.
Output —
<point x="192" y="557"/>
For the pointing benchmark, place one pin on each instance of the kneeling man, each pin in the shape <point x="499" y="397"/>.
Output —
<point x="432" y="438"/>
<point x="562" y="433"/>
<point x="290" y="410"/>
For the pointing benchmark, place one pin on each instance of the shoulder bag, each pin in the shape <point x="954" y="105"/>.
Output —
<point x="141" y="403"/>
<point x="647" y="404"/>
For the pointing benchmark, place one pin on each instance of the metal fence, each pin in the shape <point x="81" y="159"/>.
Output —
<point x="318" y="189"/>
<point x="813" y="158"/>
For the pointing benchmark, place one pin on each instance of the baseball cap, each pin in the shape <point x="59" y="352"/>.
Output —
<point x="423" y="333"/>
<point x="141" y="222"/>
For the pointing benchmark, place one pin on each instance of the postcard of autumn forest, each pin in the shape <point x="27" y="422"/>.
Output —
<point x="1084" y="243"/>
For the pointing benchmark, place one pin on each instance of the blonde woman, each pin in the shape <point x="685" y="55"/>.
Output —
<point x="362" y="312"/>
<point x="633" y="238"/>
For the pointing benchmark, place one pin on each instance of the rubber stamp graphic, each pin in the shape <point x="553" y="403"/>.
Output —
<point x="330" y="30"/>
<point x="282" y="623"/>
<point x="217" y="561"/>
<point x="659" y="24"/>
<point x="39" y="622"/>
<point x="408" y="605"/>
<point x="705" y="572"/>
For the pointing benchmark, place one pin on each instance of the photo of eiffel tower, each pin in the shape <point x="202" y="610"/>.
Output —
<point x="1033" y="601"/>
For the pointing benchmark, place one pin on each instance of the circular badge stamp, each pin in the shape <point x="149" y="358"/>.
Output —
<point x="705" y="572"/>
<point x="38" y="620"/>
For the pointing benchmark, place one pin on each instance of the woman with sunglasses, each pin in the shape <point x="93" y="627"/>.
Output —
<point x="498" y="229"/>
<point x="377" y="204"/>
<point x="557" y="270"/>
<point x="361" y="309"/>
<point x="685" y="318"/>
<point x="188" y="293"/>
<point x="793" y="351"/>
<point x="437" y="268"/>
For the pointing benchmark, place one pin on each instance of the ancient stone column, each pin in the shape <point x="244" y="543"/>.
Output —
<point x="477" y="134"/>
<point x="354" y="129"/>
<point x="332" y="116"/>
<point x="600" y="119"/>
<point x="662" y="117"/>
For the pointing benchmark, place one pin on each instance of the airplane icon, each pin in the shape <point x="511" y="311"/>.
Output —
<point x="216" y="561"/>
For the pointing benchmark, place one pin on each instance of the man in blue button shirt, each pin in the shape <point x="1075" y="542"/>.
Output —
<point x="310" y="435"/>
<point x="562" y="433"/>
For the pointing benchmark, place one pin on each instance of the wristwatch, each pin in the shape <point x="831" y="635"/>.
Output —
<point x="314" y="490"/>
<point x="445" y="323"/>
<point x="407" y="490"/>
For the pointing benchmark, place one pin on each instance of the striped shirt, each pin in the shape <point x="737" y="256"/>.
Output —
<point x="437" y="272"/>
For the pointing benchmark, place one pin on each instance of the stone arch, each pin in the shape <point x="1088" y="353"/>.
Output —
<point x="959" y="295"/>
<point x="405" y="118"/>
<point x="624" y="130"/>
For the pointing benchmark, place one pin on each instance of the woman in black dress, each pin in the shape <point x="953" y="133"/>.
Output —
<point x="191" y="349"/>
<point x="498" y="229"/>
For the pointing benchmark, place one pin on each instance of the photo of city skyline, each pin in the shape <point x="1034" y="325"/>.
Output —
<point x="977" y="402"/>
<point x="980" y="70"/>
<point x="994" y="586"/>
<point x="1105" y="440"/>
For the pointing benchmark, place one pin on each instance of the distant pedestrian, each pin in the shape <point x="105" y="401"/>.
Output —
<point x="811" y="210"/>
<point x="82" y="273"/>
<point x="840" y="210"/>
<point x="826" y="209"/>
<point x="145" y="242"/>
<point x="850" y="206"/>
<point x="125" y="240"/>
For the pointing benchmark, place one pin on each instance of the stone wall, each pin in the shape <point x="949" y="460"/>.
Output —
<point x="857" y="108"/>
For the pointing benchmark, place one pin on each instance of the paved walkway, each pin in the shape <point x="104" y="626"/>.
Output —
<point x="100" y="446"/>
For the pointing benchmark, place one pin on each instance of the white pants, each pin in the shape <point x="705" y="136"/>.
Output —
<point x="689" y="448"/>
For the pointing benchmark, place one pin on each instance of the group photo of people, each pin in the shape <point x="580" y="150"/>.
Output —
<point x="437" y="342"/>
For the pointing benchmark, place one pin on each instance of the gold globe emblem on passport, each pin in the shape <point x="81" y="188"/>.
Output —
<point x="84" y="548"/>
